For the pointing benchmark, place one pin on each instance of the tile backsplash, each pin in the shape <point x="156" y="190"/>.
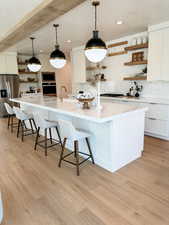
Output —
<point x="155" y="89"/>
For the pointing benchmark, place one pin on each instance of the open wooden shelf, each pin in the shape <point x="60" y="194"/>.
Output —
<point x="117" y="53"/>
<point x="135" y="47"/>
<point x="135" y="63"/>
<point x="117" y="44"/>
<point x="22" y="63"/>
<point x="27" y="72"/>
<point x="28" y="81"/>
<point x="136" y="78"/>
<point x="96" y="68"/>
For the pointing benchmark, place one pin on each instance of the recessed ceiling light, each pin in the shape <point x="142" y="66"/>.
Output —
<point x="68" y="41"/>
<point x="119" y="22"/>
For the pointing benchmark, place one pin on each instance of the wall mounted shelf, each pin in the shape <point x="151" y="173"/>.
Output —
<point x="135" y="47"/>
<point x="118" y="44"/>
<point x="117" y="53"/>
<point x="96" y="68"/>
<point x="136" y="78"/>
<point x="22" y="63"/>
<point x="22" y="81"/>
<point x="136" y="63"/>
<point x="27" y="72"/>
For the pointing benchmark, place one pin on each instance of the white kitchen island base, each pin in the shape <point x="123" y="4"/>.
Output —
<point x="116" y="140"/>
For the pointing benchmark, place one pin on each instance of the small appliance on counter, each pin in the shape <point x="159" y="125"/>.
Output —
<point x="135" y="90"/>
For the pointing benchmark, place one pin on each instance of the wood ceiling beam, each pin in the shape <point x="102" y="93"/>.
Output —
<point x="44" y="13"/>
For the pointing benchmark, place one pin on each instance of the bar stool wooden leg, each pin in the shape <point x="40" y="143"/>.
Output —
<point x="76" y="149"/>
<point x="50" y="134"/>
<point x="19" y="124"/>
<point x="11" y="124"/>
<point x="62" y="151"/>
<point x="9" y="121"/>
<point x="60" y="140"/>
<point x="34" y="125"/>
<point x="22" y="128"/>
<point x="46" y="142"/>
<point x="90" y="151"/>
<point x="37" y="137"/>
<point x="30" y="121"/>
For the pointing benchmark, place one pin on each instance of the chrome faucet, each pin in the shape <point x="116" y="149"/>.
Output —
<point x="61" y="92"/>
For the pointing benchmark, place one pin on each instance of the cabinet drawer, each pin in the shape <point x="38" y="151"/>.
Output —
<point x="159" y="127"/>
<point x="158" y="111"/>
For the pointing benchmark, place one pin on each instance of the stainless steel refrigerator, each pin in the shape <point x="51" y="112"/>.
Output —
<point x="9" y="88"/>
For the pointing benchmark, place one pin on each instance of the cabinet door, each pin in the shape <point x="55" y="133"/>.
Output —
<point x="2" y="64"/>
<point x="155" y="55"/>
<point x="165" y="55"/>
<point x="79" y="66"/>
<point x="11" y="64"/>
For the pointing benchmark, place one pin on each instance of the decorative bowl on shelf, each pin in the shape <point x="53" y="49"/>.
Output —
<point x="86" y="102"/>
<point x="30" y="79"/>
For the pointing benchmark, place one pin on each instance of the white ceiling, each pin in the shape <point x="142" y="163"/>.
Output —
<point x="12" y="11"/>
<point x="77" y="24"/>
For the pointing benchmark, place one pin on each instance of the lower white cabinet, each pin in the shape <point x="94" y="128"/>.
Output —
<point x="157" y="127"/>
<point x="157" y="117"/>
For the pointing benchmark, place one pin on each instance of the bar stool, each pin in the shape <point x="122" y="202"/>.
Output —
<point x="11" y="116"/>
<point x="69" y="132"/>
<point x="46" y="125"/>
<point x="1" y="209"/>
<point x="23" y="117"/>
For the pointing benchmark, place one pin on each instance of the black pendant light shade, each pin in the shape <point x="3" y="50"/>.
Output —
<point x="34" y="64"/>
<point x="95" y="42"/>
<point x="57" y="57"/>
<point x="95" y="49"/>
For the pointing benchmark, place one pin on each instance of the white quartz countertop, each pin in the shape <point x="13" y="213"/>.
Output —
<point x="140" y="99"/>
<point x="110" y="111"/>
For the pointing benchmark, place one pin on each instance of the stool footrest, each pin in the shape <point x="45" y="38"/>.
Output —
<point x="65" y="156"/>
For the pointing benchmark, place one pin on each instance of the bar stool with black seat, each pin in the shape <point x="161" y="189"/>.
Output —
<point x="23" y="117"/>
<point x="69" y="132"/>
<point x="11" y="116"/>
<point x="46" y="125"/>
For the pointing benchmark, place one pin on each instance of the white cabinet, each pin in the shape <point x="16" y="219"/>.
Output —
<point x="8" y="63"/>
<point x="78" y="65"/>
<point x="11" y="64"/>
<point x="157" y="117"/>
<point x="158" y="55"/>
<point x="157" y="127"/>
<point x="2" y="64"/>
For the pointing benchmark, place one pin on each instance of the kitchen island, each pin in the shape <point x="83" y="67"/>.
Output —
<point x="117" y="130"/>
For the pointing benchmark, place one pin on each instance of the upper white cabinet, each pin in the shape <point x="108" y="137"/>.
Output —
<point x="2" y="64"/>
<point x="78" y="65"/>
<point x="158" y="56"/>
<point x="8" y="63"/>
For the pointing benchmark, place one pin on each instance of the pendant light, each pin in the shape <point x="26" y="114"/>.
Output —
<point x="34" y="64"/>
<point x="57" y="57"/>
<point x="95" y="49"/>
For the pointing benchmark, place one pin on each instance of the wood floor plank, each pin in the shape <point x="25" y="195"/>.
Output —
<point x="37" y="192"/>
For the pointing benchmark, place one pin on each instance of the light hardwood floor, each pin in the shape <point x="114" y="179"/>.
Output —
<point x="37" y="192"/>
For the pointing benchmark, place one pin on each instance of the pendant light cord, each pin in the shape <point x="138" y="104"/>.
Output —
<point x="95" y="17"/>
<point x="33" y="52"/>
<point x="95" y="4"/>
<point x="56" y="26"/>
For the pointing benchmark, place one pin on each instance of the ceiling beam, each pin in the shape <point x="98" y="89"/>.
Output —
<point x="44" y="13"/>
